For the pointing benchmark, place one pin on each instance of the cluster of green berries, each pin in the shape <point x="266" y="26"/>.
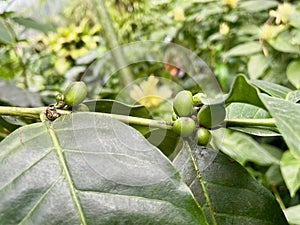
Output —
<point x="72" y="97"/>
<point x="193" y="118"/>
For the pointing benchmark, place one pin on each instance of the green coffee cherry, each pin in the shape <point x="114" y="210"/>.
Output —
<point x="203" y="136"/>
<point x="211" y="115"/>
<point x="196" y="99"/>
<point x="184" y="126"/>
<point x="82" y="108"/>
<point x="75" y="93"/>
<point x="183" y="103"/>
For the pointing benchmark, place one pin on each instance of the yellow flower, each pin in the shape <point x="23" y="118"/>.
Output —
<point x="178" y="14"/>
<point x="230" y="3"/>
<point x="268" y="32"/>
<point x="224" y="29"/>
<point x="281" y="12"/>
<point x="149" y="94"/>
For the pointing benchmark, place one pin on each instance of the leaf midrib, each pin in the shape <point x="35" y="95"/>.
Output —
<point x="67" y="174"/>
<point x="202" y="183"/>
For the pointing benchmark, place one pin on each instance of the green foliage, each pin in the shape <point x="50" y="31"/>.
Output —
<point x="87" y="183"/>
<point x="94" y="167"/>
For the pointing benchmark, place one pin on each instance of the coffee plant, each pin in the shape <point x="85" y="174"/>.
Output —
<point x="95" y="132"/>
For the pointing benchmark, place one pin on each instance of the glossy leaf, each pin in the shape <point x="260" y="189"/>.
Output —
<point x="293" y="73"/>
<point x="228" y="193"/>
<point x="256" y="6"/>
<point x="242" y="91"/>
<point x="272" y="89"/>
<point x="288" y="125"/>
<point x="116" y="107"/>
<point x="245" y="49"/>
<point x="290" y="169"/>
<point x="243" y="148"/>
<point x="87" y="169"/>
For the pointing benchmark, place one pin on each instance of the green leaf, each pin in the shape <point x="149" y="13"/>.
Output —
<point x="87" y="169"/>
<point x="225" y="189"/>
<point x="15" y="96"/>
<point x="292" y="214"/>
<point x="6" y="35"/>
<point x="290" y="169"/>
<point x="116" y="107"/>
<point x="270" y="88"/>
<point x="287" y="119"/>
<point x="293" y="96"/>
<point x="273" y="175"/>
<point x="238" y="110"/>
<point x="6" y="123"/>
<point x="296" y="36"/>
<point x="294" y="19"/>
<point x="283" y="43"/>
<point x="243" y="148"/>
<point x="165" y="140"/>
<point x="245" y="49"/>
<point x="242" y="91"/>
<point x="245" y="111"/>
<point x="293" y="73"/>
<point x="256" y="6"/>
<point x="257" y="65"/>
<point x="30" y="23"/>
<point x="256" y="131"/>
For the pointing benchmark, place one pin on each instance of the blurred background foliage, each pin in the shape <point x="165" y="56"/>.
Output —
<point x="46" y="44"/>
<point x="260" y="40"/>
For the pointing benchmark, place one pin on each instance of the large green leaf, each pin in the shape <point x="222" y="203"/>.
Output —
<point x="242" y="91"/>
<point x="226" y="190"/>
<point x="287" y="118"/>
<point x="272" y="89"/>
<point x="243" y="148"/>
<point x="290" y="169"/>
<point x="87" y="169"/>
